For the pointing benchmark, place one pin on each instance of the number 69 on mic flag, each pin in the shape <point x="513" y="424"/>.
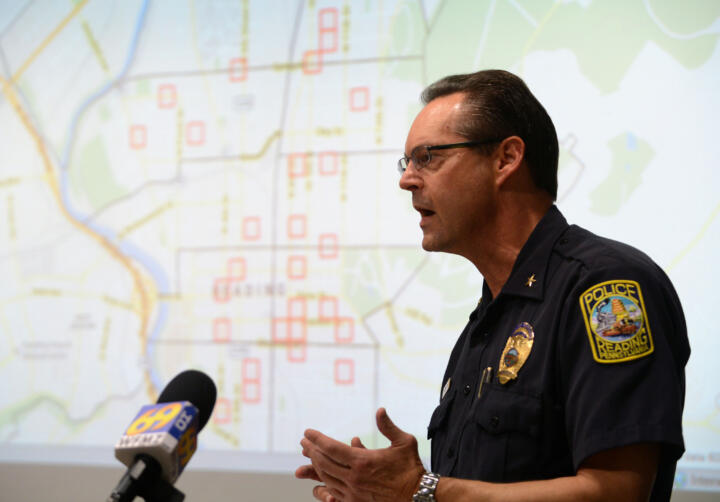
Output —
<point x="166" y="431"/>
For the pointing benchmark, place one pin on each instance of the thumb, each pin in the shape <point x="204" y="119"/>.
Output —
<point x="388" y="428"/>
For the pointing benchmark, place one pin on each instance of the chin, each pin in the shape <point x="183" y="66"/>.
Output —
<point x="429" y="244"/>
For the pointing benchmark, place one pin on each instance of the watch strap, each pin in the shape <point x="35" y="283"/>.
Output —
<point x="426" y="490"/>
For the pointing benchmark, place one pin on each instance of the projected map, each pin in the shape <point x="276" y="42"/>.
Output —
<point x="212" y="185"/>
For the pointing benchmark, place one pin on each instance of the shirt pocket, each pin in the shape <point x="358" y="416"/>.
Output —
<point x="438" y="430"/>
<point x="507" y="429"/>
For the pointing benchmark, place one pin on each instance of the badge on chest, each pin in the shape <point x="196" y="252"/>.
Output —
<point x="516" y="351"/>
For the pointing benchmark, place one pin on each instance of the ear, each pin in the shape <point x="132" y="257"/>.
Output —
<point x="509" y="157"/>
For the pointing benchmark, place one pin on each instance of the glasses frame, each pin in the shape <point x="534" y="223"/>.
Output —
<point x="404" y="161"/>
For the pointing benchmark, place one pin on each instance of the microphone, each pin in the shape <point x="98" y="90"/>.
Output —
<point x="162" y="437"/>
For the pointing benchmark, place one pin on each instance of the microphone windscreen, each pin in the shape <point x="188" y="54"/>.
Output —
<point x="194" y="386"/>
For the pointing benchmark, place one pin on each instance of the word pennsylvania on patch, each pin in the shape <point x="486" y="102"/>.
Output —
<point x="616" y="321"/>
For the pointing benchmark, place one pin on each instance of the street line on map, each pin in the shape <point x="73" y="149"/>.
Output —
<point x="273" y="217"/>
<point x="524" y="13"/>
<point x="241" y="156"/>
<point x="261" y="343"/>
<point x="45" y="399"/>
<point x="49" y="39"/>
<point x="52" y="180"/>
<point x="293" y="247"/>
<point x="484" y="34"/>
<point x="424" y="15"/>
<point x="536" y="33"/>
<point x="269" y="67"/>
<point x="55" y="189"/>
<point x="16" y="18"/>
<point x="713" y="29"/>
<point x="695" y="241"/>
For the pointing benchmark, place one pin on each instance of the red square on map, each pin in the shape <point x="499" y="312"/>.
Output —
<point x="327" y="308"/>
<point x="236" y="269"/>
<point x="280" y="329"/>
<point x="222" y="330"/>
<point x="251" y="228"/>
<point x="222" y="411"/>
<point x="238" y="69"/>
<point x="250" y="392"/>
<point x="296" y="267"/>
<point x="297" y="353"/>
<point x="359" y="99"/>
<point x="297" y="308"/>
<point x="297" y="331"/>
<point x="297" y="226"/>
<point x="166" y="96"/>
<point x="195" y="133"/>
<point x="345" y="330"/>
<point x="328" y="246"/>
<point x="312" y="62"/>
<point x="328" y="41"/>
<point x="328" y="163"/>
<point x="251" y="370"/>
<point x="138" y="137"/>
<point x="297" y="165"/>
<point x="328" y="19"/>
<point x="344" y="371"/>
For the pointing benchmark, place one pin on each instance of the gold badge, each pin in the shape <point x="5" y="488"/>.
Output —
<point x="517" y="349"/>
<point x="616" y="322"/>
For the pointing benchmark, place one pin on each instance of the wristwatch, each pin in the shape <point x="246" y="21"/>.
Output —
<point x="426" y="491"/>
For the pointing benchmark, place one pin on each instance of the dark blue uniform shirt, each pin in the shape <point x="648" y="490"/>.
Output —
<point x="605" y="370"/>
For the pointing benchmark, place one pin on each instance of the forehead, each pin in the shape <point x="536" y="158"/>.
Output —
<point x="434" y="124"/>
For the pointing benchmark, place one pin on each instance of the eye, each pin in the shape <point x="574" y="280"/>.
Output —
<point x="421" y="156"/>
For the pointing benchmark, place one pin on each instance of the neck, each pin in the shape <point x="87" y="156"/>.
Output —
<point x="495" y="251"/>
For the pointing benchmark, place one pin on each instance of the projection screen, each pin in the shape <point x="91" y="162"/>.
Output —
<point x="212" y="185"/>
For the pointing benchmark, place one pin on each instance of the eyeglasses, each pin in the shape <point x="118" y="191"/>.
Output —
<point x="421" y="156"/>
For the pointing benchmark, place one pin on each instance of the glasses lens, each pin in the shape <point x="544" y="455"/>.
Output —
<point x="402" y="164"/>
<point x="420" y="156"/>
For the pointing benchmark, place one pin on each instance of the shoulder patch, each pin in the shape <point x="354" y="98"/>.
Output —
<point x="616" y="322"/>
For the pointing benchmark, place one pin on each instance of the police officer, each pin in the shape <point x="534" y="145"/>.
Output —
<point x="568" y="381"/>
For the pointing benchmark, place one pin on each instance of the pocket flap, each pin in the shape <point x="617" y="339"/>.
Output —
<point x="502" y="411"/>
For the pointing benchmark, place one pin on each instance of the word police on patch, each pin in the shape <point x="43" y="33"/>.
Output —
<point x="616" y="321"/>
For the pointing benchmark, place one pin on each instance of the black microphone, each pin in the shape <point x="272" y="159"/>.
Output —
<point x="162" y="437"/>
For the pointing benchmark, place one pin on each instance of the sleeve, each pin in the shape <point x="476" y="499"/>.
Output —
<point x="622" y="362"/>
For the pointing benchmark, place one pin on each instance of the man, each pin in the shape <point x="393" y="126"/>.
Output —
<point x="568" y="380"/>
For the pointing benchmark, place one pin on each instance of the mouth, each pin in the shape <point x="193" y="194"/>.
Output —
<point x="425" y="214"/>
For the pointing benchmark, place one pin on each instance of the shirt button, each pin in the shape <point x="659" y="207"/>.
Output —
<point x="466" y="390"/>
<point x="450" y="453"/>
<point x="494" y="422"/>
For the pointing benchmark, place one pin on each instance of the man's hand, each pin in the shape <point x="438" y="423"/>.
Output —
<point x="354" y="473"/>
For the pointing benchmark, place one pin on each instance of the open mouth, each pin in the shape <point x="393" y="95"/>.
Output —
<point x="425" y="212"/>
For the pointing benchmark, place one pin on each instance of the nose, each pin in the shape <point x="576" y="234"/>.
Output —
<point x="410" y="179"/>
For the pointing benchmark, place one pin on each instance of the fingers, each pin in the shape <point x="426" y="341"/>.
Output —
<point x="333" y="486"/>
<point x="339" y="452"/>
<point x="307" y="472"/>
<point x="356" y="443"/>
<point x="388" y="428"/>
<point x="323" y="494"/>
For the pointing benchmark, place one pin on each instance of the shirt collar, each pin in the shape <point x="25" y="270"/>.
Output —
<point x="528" y="275"/>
